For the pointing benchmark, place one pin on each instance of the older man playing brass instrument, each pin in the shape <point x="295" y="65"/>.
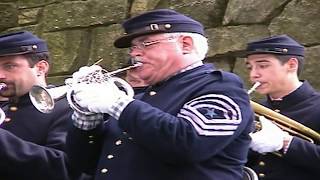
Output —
<point x="192" y="123"/>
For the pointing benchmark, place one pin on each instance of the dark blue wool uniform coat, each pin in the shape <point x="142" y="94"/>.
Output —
<point x="194" y="126"/>
<point x="32" y="143"/>
<point x="302" y="160"/>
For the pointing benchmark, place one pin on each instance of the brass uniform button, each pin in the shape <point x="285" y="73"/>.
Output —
<point x="13" y="108"/>
<point x="110" y="156"/>
<point x="7" y="119"/>
<point x="118" y="142"/>
<point x="262" y="175"/>
<point x="104" y="170"/>
<point x="152" y="93"/>
<point x="261" y="163"/>
<point x="91" y="140"/>
<point x="277" y="110"/>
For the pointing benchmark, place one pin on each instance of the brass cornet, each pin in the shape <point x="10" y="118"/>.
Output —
<point x="285" y="123"/>
<point x="44" y="99"/>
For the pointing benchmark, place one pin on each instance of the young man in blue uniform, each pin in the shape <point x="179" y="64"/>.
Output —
<point x="32" y="143"/>
<point x="276" y="62"/>
<point x="193" y="121"/>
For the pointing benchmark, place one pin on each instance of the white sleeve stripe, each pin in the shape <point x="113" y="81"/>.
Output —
<point x="212" y="114"/>
<point x="212" y="102"/>
<point x="232" y="106"/>
<point x="201" y="125"/>
<point x="206" y="102"/>
<point x="222" y="109"/>
<point x="214" y="97"/>
<point x="197" y="115"/>
<point x="225" y="112"/>
<point x="209" y="133"/>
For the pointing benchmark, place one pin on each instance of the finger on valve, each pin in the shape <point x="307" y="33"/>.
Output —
<point x="84" y="72"/>
<point x="96" y="90"/>
<point x="89" y="69"/>
<point x="78" y="93"/>
<point x="97" y="97"/>
<point x="83" y="94"/>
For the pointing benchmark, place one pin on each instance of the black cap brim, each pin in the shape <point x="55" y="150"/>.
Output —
<point x="261" y="52"/>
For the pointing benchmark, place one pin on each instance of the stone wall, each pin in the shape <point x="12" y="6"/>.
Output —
<point x="82" y="32"/>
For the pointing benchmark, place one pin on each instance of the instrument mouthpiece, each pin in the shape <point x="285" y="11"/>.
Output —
<point x="137" y="64"/>
<point x="254" y="87"/>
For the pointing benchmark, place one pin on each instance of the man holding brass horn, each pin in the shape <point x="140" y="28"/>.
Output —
<point x="32" y="144"/>
<point x="193" y="122"/>
<point x="275" y="62"/>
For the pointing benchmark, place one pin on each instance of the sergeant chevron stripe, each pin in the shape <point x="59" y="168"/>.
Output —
<point x="212" y="115"/>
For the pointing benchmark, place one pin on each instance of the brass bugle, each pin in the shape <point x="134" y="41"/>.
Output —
<point x="285" y="123"/>
<point x="44" y="98"/>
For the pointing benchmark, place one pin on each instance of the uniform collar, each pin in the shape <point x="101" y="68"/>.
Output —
<point x="279" y="99"/>
<point x="300" y="94"/>
<point x="194" y="65"/>
<point x="205" y="68"/>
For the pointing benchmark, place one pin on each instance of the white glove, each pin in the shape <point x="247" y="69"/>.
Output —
<point x="97" y="97"/>
<point x="83" y="73"/>
<point x="269" y="139"/>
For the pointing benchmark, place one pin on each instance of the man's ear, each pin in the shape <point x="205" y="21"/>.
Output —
<point x="293" y="64"/>
<point x="187" y="44"/>
<point x="42" y="67"/>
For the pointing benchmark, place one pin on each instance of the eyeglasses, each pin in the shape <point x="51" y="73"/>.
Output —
<point x="145" y="44"/>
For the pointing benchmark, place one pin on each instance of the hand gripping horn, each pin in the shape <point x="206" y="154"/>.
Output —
<point x="44" y="98"/>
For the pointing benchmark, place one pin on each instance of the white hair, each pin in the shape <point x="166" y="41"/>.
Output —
<point x="200" y="42"/>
